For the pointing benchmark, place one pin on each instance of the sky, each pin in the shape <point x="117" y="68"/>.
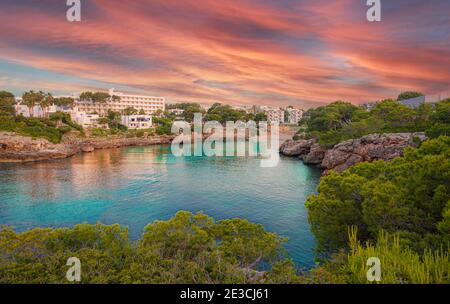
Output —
<point x="303" y="53"/>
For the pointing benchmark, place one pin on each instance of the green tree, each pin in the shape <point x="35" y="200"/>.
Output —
<point x="260" y="117"/>
<point x="130" y="111"/>
<point x="7" y="102"/>
<point x="31" y="99"/>
<point x="46" y="103"/>
<point x="64" y="101"/>
<point x="188" y="248"/>
<point x="408" y="95"/>
<point x="407" y="195"/>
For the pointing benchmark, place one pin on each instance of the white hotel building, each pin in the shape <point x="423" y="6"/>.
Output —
<point x="150" y="104"/>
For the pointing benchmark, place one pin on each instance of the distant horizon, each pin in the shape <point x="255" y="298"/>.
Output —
<point x="304" y="53"/>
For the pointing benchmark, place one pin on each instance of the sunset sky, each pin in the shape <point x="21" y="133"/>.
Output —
<point x="279" y="52"/>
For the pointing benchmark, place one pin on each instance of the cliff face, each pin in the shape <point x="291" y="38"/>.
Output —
<point x="348" y="153"/>
<point x="16" y="148"/>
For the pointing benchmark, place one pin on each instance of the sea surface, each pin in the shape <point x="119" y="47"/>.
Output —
<point x="137" y="185"/>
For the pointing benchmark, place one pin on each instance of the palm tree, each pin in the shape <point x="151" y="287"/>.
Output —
<point x="31" y="99"/>
<point x="46" y="103"/>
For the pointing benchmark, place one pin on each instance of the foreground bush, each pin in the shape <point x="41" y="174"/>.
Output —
<point x="399" y="264"/>
<point x="185" y="249"/>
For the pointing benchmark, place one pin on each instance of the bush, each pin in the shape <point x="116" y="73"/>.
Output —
<point x="408" y="195"/>
<point x="33" y="127"/>
<point x="99" y="132"/>
<point x="399" y="263"/>
<point x="340" y="121"/>
<point x="185" y="249"/>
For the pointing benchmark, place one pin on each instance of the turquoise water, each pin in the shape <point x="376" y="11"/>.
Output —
<point x="135" y="186"/>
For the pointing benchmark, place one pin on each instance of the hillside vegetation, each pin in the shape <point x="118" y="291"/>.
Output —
<point x="185" y="249"/>
<point x="340" y="120"/>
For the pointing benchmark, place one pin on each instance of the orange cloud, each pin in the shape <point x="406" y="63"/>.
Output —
<point x="254" y="52"/>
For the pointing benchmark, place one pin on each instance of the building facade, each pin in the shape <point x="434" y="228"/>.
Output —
<point x="137" y="121"/>
<point x="149" y="104"/>
<point x="86" y="120"/>
<point x="37" y="111"/>
<point x="294" y="115"/>
<point x="275" y="115"/>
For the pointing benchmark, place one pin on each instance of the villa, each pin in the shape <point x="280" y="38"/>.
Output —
<point x="137" y="121"/>
<point x="86" y="120"/>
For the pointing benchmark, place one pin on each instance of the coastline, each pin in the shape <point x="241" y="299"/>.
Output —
<point x="369" y="148"/>
<point x="15" y="148"/>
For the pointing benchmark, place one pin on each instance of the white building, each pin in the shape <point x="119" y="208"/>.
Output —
<point x="177" y="112"/>
<point x="294" y="115"/>
<point x="150" y="104"/>
<point x="275" y="115"/>
<point x="137" y="121"/>
<point x="85" y="119"/>
<point x="37" y="110"/>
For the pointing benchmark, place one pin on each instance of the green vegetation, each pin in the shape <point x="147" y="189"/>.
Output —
<point x="408" y="95"/>
<point x="189" y="109"/>
<point x="409" y="195"/>
<point x="31" y="99"/>
<point x="32" y="127"/>
<point x="64" y="101"/>
<point x="401" y="209"/>
<point x="163" y="125"/>
<point x="185" y="249"/>
<point x="114" y="121"/>
<point x="51" y="128"/>
<point x="340" y="120"/>
<point x="195" y="249"/>
<point x="100" y="97"/>
<point x="399" y="263"/>
<point x="130" y="111"/>
<point x="47" y="128"/>
<point x="7" y="102"/>
<point x="224" y="113"/>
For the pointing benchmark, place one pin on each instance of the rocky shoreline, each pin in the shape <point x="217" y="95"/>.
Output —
<point x="16" y="148"/>
<point x="350" y="152"/>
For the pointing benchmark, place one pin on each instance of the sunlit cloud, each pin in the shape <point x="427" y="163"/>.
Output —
<point x="300" y="52"/>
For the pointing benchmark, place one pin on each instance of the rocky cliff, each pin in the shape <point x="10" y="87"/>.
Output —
<point x="16" y="148"/>
<point x="348" y="153"/>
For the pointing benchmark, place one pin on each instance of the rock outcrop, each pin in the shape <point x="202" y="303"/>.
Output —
<point x="296" y="147"/>
<point x="17" y="148"/>
<point x="348" y="153"/>
<point x="315" y="155"/>
<point x="368" y="148"/>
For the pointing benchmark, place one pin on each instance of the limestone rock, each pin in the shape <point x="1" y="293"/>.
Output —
<point x="296" y="147"/>
<point x="368" y="148"/>
<point x="315" y="155"/>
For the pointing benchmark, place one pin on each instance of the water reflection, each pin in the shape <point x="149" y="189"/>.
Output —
<point x="135" y="186"/>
